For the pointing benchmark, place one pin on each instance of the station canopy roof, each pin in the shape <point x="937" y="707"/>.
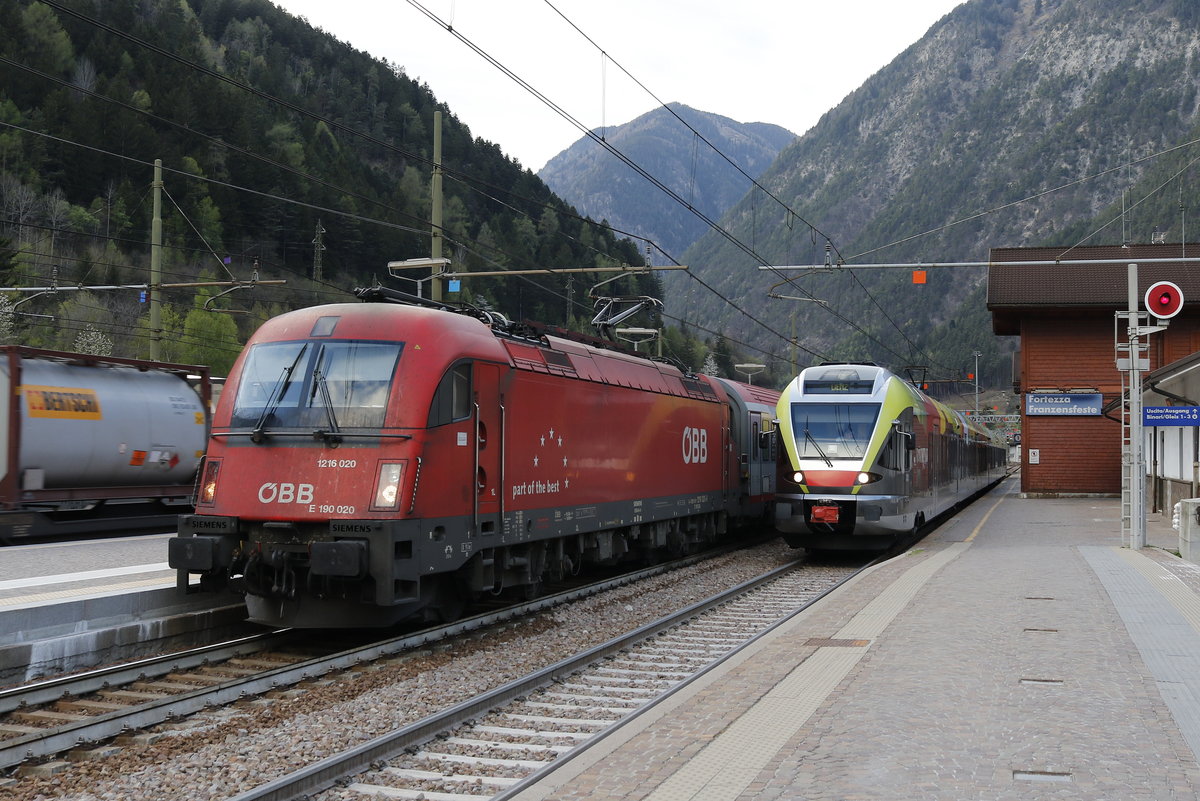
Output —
<point x="1094" y="278"/>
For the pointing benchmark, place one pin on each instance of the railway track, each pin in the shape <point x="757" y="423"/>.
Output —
<point x="494" y="745"/>
<point x="50" y="716"/>
<point x="40" y="720"/>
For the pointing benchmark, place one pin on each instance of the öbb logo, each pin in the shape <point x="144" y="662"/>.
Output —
<point x="285" y="493"/>
<point x="695" y="445"/>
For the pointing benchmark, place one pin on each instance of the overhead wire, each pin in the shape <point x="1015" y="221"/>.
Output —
<point x="216" y="140"/>
<point x="621" y="156"/>
<point x="218" y="182"/>
<point x="753" y="181"/>
<point x="467" y="180"/>
<point x="979" y="214"/>
<point x="276" y="197"/>
<point x="299" y="109"/>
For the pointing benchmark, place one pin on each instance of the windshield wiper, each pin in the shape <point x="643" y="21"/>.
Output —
<point x="276" y="396"/>
<point x="809" y="437"/>
<point x="319" y="385"/>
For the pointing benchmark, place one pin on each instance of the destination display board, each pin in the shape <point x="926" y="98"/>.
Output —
<point x="1066" y="404"/>
<point x="1171" y="415"/>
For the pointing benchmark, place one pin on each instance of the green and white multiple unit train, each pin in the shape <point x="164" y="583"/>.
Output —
<point x="867" y="457"/>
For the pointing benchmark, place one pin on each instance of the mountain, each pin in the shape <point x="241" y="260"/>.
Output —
<point x="668" y="143"/>
<point x="1010" y="123"/>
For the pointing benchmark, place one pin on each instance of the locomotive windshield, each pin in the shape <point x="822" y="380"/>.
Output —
<point x="833" y="430"/>
<point x="315" y="384"/>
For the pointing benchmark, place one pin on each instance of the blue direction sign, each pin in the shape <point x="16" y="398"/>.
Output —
<point x="1171" y="415"/>
<point x="1063" y="403"/>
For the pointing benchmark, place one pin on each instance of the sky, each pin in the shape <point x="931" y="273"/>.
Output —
<point x="785" y="62"/>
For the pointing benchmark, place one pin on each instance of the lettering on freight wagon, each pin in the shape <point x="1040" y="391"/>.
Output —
<point x="62" y="403"/>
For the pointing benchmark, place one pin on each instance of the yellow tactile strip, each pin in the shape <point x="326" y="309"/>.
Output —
<point x="58" y="595"/>
<point x="731" y="761"/>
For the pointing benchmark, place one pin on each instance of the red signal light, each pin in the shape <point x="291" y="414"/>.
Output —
<point x="1164" y="300"/>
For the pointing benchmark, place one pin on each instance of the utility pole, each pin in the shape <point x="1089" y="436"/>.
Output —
<point x="156" y="265"/>
<point x="152" y="291"/>
<point x="318" y="249"/>
<point x="977" y="355"/>
<point x="435" y="252"/>
<point x="1163" y="300"/>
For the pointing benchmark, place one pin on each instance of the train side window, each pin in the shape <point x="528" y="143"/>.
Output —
<point x="891" y="454"/>
<point x="765" y="437"/>
<point x="452" y="401"/>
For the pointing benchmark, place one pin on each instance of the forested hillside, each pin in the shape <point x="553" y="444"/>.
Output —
<point x="1012" y="122"/>
<point x="287" y="155"/>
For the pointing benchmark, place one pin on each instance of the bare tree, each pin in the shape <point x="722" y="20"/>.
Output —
<point x="57" y="212"/>
<point x="85" y="75"/>
<point x="20" y="206"/>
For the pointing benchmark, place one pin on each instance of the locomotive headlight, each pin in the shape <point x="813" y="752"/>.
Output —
<point x="208" y="484"/>
<point x="798" y="477"/>
<point x="866" y="478"/>
<point x="387" y="487"/>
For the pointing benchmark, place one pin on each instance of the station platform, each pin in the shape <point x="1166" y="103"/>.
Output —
<point x="71" y="605"/>
<point x="45" y="573"/>
<point x="1018" y="652"/>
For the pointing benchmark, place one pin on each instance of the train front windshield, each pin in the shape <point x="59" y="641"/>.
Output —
<point x="831" y="431"/>
<point x="316" y="384"/>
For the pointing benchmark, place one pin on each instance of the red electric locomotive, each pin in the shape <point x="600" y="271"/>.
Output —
<point x="376" y="462"/>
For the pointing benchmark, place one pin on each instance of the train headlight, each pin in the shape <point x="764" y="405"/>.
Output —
<point x="387" y="486"/>
<point x="208" y="484"/>
<point x="866" y="478"/>
<point x="798" y="477"/>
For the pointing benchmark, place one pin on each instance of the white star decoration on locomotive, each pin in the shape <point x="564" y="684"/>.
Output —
<point x="554" y="440"/>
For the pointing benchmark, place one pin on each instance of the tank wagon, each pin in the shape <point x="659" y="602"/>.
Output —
<point x="93" y="443"/>
<point x="867" y="457"/>
<point x="377" y="462"/>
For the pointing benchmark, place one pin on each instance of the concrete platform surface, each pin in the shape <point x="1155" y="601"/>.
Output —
<point x="32" y="575"/>
<point x="67" y="606"/>
<point x="1019" y="652"/>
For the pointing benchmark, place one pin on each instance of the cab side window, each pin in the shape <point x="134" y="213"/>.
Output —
<point x="452" y="401"/>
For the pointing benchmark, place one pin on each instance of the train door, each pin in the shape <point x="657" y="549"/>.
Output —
<point x="759" y="470"/>
<point x="489" y="448"/>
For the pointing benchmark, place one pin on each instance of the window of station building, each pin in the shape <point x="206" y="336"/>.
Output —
<point x="1183" y="455"/>
<point x="452" y="401"/>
